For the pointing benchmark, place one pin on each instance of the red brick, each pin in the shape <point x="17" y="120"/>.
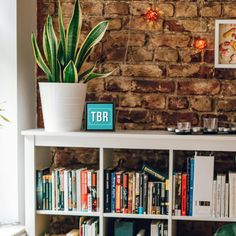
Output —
<point x="186" y="9"/>
<point x="201" y="103"/>
<point x="178" y="103"/>
<point x="166" y="54"/>
<point x="226" y="105"/>
<point x="211" y="10"/>
<point x="116" y="8"/>
<point x="134" y="116"/>
<point x="154" y="101"/>
<point x="117" y="84"/>
<point x="229" y="88"/>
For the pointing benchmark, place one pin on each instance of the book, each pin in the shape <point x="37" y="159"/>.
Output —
<point x="107" y="188"/>
<point x="184" y="195"/>
<point x="130" y="192"/>
<point x="191" y="185"/>
<point x="202" y="195"/>
<point x="214" y="198"/>
<point x="222" y="196"/>
<point x="89" y="189"/>
<point x="145" y="192"/>
<point x="39" y="189"/>
<point x="232" y="194"/>
<point x="94" y="191"/>
<point x="137" y="192"/>
<point x="218" y="195"/>
<point x="113" y="192"/>
<point x="153" y="172"/>
<point x="118" y="192"/>
<point x="141" y="232"/>
<point x="84" y="190"/>
<point x="125" y="180"/>
<point x="124" y="228"/>
<point x="226" y="200"/>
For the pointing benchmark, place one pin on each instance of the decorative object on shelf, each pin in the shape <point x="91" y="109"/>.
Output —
<point x="225" y="43"/>
<point x="64" y="64"/>
<point x="100" y="116"/>
<point x="200" y="44"/>
<point x="153" y="13"/>
<point x="226" y="230"/>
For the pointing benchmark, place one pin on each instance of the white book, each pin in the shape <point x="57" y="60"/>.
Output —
<point x="78" y="188"/>
<point x="214" y="196"/>
<point x="173" y="194"/>
<point x="53" y="191"/>
<point x="150" y="186"/>
<point x="203" y="185"/>
<point x="141" y="232"/>
<point x="226" y="200"/>
<point x="90" y="190"/>
<point x="222" y="197"/>
<point x="218" y="195"/>
<point x="66" y="193"/>
<point x="232" y="195"/>
<point x="133" y="193"/>
<point x="155" y="228"/>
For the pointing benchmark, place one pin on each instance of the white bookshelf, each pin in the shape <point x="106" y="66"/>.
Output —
<point x="38" y="143"/>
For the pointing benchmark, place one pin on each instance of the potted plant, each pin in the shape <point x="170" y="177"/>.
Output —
<point x="63" y="60"/>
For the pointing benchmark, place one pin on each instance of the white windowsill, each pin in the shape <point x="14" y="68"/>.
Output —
<point x="12" y="230"/>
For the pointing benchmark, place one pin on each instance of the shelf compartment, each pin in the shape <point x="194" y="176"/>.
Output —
<point x="68" y="213"/>
<point x="135" y="216"/>
<point x="194" y="218"/>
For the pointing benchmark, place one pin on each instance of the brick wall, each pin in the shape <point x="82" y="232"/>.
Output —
<point x="161" y="77"/>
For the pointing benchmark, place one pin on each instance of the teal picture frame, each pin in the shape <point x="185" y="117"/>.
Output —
<point x="100" y="116"/>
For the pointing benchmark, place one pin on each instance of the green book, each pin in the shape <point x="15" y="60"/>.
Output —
<point x="154" y="173"/>
<point x="124" y="228"/>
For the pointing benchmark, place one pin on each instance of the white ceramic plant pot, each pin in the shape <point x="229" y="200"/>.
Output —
<point x="62" y="105"/>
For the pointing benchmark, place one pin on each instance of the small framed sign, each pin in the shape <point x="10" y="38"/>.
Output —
<point x="100" y="116"/>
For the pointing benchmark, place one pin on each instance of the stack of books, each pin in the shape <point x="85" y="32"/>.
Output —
<point x="134" y="192"/>
<point x="158" y="228"/>
<point x="67" y="190"/>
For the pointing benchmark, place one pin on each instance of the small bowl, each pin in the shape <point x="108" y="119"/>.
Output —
<point x="197" y="129"/>
<point x="221" y="129"/>
<point x="171" y="129"/>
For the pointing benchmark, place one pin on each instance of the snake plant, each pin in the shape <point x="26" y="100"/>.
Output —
<point x="2" y="117"/>
<point x="62" y="59"/>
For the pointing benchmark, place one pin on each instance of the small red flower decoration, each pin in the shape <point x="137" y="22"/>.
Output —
<point x="152" y="15"/>
<point x="200" y="43"/>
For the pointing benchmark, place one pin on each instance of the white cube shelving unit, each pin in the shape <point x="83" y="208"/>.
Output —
<point x="38" y="143"/>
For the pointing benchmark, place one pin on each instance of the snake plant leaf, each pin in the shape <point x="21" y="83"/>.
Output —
<point x="73" y="33"/>
<point x="94" y="75"/>
<point x="39" y="59"/>
<point x="53" y="48"/>
<point x="70" y="73"/>
<point x="4" y="118"/>
<point x="59" y="71"/>
<point x="81" y="76"/>
<point x="61" y="28"/>
<point x="46" y="46"/>
<point x="93" y="38"/>
<point x="61" y="55"/>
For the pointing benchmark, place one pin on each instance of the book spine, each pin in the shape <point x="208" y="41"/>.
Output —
<point x="70" y="191"/>
<point x="130" y="193"/>
<point x="125" y="193"/>
<point x="149" y="207"/>
<point x="188" y="187"/>
<point x="153" y="172"/>
<point x="226" y="200"/>
<point x="89" y="191"/>
<point x="58" y="191"/>
<point x="222" y="197"/>
<point x="50" y="192"/>
<point x="137" y="193"/>
<point x="191" y="186"/>
<point x="145" y="192"/>
<point x="133" y="193"/>
<point x="94" y="191"/>
<point x="39" y="187"/>
<point x="174" y="194"/>
<point x="184" y="195"/>
<point x="66" y="195"/>
<point x="74" y="206"/>
<point x="113" y="192"/>
<point x="78" y="189"/>
<point x="154" y="193"/>
<point x="167" y="196"/>
<point x="44" y="192"/>
<point x="98" y="189"/>
<point x="163" y="194"/>
<point x="62" y="189"/>
<point x="118" y="192"/>
<point x="53" y="190"/>
<point x="140" y="207"/>
<point x="179" y="193"/>
<point x="214" y="197"/>
<point x="158" y="198"/>
<point x="218" y="196"/>
<point x="84" y="183"/>
<point x="107" y="195"/>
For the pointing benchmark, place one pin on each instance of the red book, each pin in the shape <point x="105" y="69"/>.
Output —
<point x="84" y="190"/>
<point x="118" y="192"/>
<point x="184" y="195"/>
<point x="94" y="191"/>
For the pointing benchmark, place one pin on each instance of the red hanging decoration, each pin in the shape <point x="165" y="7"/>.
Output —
<point x="200" y="43"/>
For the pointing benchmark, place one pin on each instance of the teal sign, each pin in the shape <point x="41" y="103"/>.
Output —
<point x="100" y="116"/>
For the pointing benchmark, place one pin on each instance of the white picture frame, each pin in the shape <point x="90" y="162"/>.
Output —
<point x="224" y="57"/>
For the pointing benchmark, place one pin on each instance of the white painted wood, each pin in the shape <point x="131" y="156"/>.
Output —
<point x="217" y="24"/>
<point x="30" y="192"/>
<point x="36" y="156"/>
<point x="171" y="157"/>
<point x="68" y="213"/>
<point x="135" y="140"/>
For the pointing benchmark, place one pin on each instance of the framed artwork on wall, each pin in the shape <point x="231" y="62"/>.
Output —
<point x="225" y="43"/>
<point x="100" y="116"/>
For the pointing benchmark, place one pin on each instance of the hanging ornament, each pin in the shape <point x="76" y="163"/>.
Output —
<point x="153" y="13"/>
<point x="200" y="43"/>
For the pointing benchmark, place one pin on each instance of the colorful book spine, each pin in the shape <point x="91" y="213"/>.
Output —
<point x="130" y="193"/>
<point x="70" y="191"/>
<point x="107" y="186"/>
<point x="153" y="172"/>
<point x="191" y="184"/>
<point x="89" y="191"/>
<point x="167" y="197"/>
<point x="140" y="207"/>
<point x="113" y="192"/>
<point x="94" y="191"/>
<point x="118" y="192"/>
<point x="145" y="192"/>
<point x="137" y="192"/>
<point x="125" y="177"/>
<point x="39" y="189"/>
<point x="184" y="195"/>
<point x="84" y="192"/>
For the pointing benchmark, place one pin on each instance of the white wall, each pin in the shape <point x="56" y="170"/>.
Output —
<point x="17" y="90"/>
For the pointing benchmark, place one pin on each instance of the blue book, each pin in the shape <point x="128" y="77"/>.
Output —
<point x="191" y="186"/>
<point x="124" y="228"/>
<point x="113" y="192"/>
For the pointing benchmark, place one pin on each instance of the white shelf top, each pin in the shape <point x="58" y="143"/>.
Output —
<point x="135" y="216"/>
<point x="202" y="218"/>
<point x="68" y="213"/>
<point x="134" y="140"/>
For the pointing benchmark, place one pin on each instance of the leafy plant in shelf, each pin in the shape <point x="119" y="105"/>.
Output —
<point x="63" y="59"/>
